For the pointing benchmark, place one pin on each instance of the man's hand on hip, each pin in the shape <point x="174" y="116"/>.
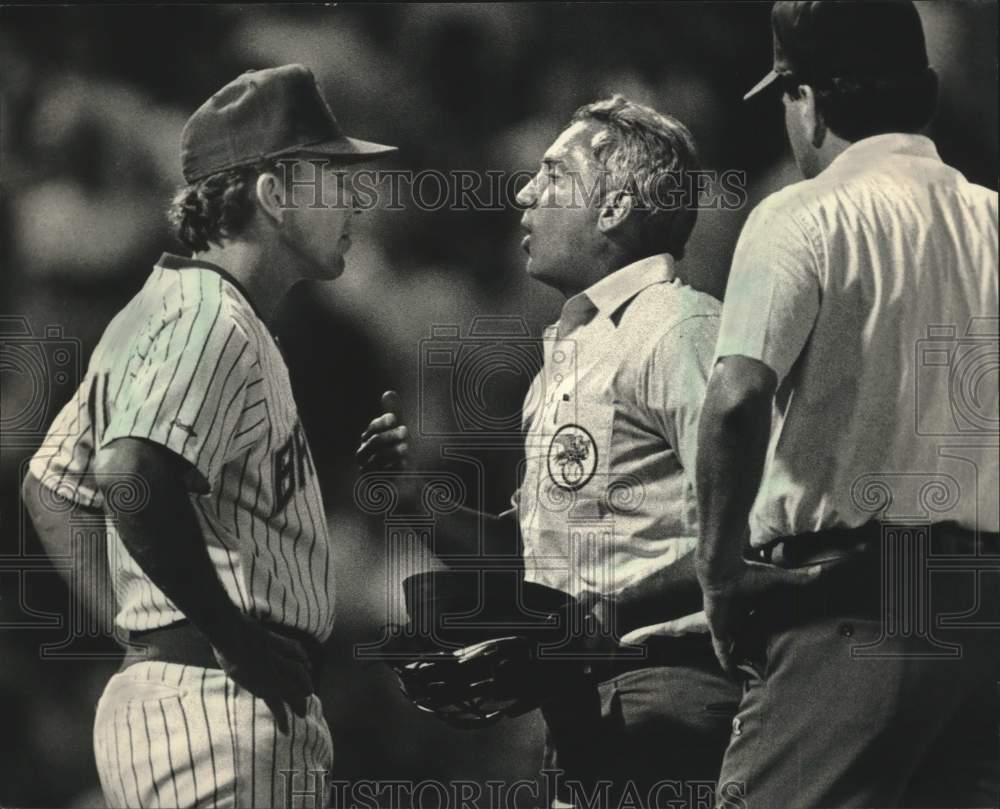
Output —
<point x="729" y="602"/>
<point x="269" y="666"/>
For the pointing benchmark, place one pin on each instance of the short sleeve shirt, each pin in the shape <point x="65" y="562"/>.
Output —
<point x="871" y="292"/>
<point x="608" y="495"/>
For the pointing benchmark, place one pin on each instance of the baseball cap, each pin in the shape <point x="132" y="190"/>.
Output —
<point x="826" y="39"/>
<point x="267" y="113"/>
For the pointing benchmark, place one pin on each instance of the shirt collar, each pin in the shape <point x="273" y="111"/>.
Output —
<point x="608" y="294"/>
<point x="869" y="149"/>
<point x="170" y="261"/>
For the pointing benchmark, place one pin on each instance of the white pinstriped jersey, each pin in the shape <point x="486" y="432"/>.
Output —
<point x="190" y="365"/>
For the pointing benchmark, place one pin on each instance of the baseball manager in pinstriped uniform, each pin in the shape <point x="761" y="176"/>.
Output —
<point x="835" y="282"/>
<point x="223" y="574"/>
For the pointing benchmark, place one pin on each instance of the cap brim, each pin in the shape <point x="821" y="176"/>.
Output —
<point x="345" y="150"/>
<point x="763" y="84"/>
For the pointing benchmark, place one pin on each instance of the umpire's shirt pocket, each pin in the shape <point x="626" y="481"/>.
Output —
<point x="578" y="454"/>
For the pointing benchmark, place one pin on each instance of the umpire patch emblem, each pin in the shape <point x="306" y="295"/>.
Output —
<point x="572" y="457"/>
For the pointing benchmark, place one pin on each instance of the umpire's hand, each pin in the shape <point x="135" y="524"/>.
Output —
<point x="269" y="666"/>
<point x="728" y="602"/>
<point x="384" y="442"/>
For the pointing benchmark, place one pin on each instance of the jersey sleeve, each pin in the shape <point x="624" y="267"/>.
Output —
<point x="773" y="294"/>
<point x="671" y="387"/>
<point x="184" y="386"/>
<point x="64" y="461"/>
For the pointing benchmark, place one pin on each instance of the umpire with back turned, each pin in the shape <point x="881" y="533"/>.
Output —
<point x="818" y="396"/>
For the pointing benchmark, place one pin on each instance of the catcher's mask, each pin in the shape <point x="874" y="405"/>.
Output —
<point x="481" y="645"/>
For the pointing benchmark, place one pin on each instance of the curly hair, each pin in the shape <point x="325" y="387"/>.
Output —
<point x="651" y="155"/>
<point x="215" y="207"/>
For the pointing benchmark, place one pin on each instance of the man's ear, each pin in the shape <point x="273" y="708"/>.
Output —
<point x="812" y="119"/>
<point x="271" y="196"/>
<point x="615" y="211"/>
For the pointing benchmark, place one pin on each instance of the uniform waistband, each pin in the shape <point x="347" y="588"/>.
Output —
<point x="183" y="643"/>
<point x="803" y="550"/>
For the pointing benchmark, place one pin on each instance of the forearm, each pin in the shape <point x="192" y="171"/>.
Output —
<point x="469" y="538"/>
<point x="671" y="592"/>
<point x="164" y="538"/>
<point x="84" y="569"/>
<point x="732" y="445"/>
<point x="462" y="537"/>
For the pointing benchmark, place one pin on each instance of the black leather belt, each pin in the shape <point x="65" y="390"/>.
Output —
<point x="182" y="643"/>
<point x="839" y="543"/>
<point x="853" y="586"/>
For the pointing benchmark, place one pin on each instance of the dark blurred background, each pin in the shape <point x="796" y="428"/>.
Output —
<point x="93" y="101"/>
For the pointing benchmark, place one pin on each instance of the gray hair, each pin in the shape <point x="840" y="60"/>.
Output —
<point x="649" y="154"/>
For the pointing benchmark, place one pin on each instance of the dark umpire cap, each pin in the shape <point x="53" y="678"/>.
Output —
<point x="263" y="114"/>
<point x="826" y="39"/>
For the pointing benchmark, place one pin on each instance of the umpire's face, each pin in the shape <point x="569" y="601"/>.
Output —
<point x="563" y="200"/>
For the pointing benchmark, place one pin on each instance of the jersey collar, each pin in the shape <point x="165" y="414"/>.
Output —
<point x="171" y="261"/>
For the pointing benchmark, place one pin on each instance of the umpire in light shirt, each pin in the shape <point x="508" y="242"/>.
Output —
<point x="820" y="396"/>
<point x="607" y="510"/>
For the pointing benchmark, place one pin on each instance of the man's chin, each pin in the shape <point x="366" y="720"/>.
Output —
<point x="333" y="269"/>
<point x="537" y="271"/>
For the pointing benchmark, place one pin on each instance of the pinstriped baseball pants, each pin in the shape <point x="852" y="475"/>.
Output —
<point x="181" y="736"/>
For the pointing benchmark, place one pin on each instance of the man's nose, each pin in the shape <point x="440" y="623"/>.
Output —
<point x="526" y="196"/>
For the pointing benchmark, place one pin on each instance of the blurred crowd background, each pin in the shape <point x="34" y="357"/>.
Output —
<point x="93" y="101"/>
